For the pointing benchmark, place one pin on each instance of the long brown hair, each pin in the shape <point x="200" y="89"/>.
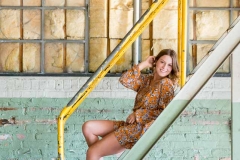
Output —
<point x="174" y="75"/>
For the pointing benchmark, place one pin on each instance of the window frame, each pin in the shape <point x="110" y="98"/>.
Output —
<point x="190" y="42"/>
<point x="42" y="41"/>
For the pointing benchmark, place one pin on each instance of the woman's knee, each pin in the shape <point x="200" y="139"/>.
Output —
<point x="92" y="153"/>
<point x="86" y="127"/>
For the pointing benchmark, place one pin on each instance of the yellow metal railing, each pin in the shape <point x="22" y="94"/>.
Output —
<point x="182" y="39"/>
<point x="116" y="54"/>
<point x="184" y="43"/>
<point x="103" y="70"/>
<point x="179" y="51"/>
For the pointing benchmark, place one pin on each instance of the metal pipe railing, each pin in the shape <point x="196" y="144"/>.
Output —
<point x="182" y="40"/>
<point x="116" y="54"/>
<point x="179" y="51"/>
<point x="184" y="43"/>
<point x="137" y="10"/>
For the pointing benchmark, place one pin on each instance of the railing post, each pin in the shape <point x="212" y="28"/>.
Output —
<point x="184" y="43"/>
<point x="179" y="51"/>
<point x="61" y="123"/>
<point x="137" y="50"/>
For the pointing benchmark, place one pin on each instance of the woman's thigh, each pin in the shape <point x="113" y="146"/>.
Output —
<point x="98" y="127"/>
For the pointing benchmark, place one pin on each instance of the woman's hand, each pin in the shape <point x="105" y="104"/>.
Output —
<point x="147" y="63"/>
<point x="131" y="118"/>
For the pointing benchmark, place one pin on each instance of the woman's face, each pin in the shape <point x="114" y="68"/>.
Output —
<point x="163" y="67"/>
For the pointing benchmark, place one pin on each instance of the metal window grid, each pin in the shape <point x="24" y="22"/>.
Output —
<point x="42" y="41"/>
<point x="231" y="9"/>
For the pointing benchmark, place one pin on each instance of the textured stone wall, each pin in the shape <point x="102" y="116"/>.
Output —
<point x="9" y="56"/>
<point x="97" y="53"/>
<point x="31" y="57"/>
<point x="10" y="24"/>
<point x="75" y="57"/>
<point x="125" y="61"/>
<point x="54" y="24"/>
<point x="165" y="28"/>
<point x="98" y="18"/>
<point x="31" y="24"/>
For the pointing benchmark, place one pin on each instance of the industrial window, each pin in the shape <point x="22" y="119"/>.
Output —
<point x="43" y="37"/>
<point x="52" y="37"/>
<point x="208" y="21"/>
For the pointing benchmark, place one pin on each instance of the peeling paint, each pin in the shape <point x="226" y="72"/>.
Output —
<point x="192" y="113"/>
<point x="26" y="152"/>
<point x="23" y="122"/>
<point x="205" y="122"/>
<point x="48" y="121"/>
<point x="5" y="137"/>
<point x="196" y="157"/>
<point x="7" y="122"/>
<point x="20" y="136"/>
<point x="7" y="109"/>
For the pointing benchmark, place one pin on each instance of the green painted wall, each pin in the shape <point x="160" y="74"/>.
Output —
<point x="235" y="130"/>
<point x="201" y="132"/>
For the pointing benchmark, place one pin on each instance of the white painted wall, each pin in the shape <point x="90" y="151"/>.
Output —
<point x="109" y="87"/>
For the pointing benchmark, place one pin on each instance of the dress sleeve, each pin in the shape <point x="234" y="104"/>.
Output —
<point x="132" y="79"/>
<point x="166" y="93"/>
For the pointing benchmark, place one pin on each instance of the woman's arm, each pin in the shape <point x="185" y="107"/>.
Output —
<point x="147" y="63"/>
<point x="132" y="78"/>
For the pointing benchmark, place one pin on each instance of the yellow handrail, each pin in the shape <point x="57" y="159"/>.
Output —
<point x="137" y="29"/>
<point x="183" y="60"/>
<point x="180" y="37"/>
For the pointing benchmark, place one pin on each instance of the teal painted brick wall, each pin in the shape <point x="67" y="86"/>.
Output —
<point x="201" y="132"/>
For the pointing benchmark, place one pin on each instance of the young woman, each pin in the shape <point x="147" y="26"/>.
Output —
<point x="154" y="92"/>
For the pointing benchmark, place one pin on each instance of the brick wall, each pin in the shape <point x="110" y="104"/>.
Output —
<point x="66" y="87"/>
<point x="32" y="105"/>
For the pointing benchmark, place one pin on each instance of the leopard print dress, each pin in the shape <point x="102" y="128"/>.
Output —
<point x="150" y="101"/>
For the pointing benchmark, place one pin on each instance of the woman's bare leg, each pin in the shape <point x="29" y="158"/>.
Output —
<point x="109" y="145"/>
<point x="92" y="129"/>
